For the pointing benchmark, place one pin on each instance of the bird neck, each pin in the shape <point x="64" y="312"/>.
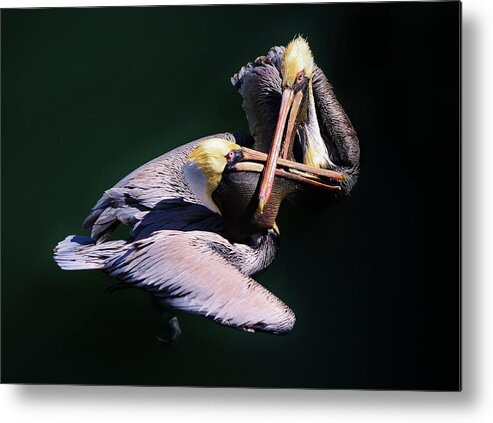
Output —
<point x="264" y="246"/>
<point x="315" y="152"/>
<point x="237" y="195"/>
<point x="336" y="126"/>
<point x="200" y="186"/>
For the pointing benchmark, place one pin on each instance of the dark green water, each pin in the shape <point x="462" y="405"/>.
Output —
<point x="90" y="94"/>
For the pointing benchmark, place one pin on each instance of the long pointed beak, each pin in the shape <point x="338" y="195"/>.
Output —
<point x="253" y="161"/>
<point x="288" y="99"/>
<point x="292" y="120"/>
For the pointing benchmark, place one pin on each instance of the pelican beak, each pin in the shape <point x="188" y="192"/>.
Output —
<point x="253" y="161"/>
<point x="290" y="101"/>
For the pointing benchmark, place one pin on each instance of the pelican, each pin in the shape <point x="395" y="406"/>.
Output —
<point x="202" y="216"/>
<point x="286" y="96"/>
<point x="191" y="245"/>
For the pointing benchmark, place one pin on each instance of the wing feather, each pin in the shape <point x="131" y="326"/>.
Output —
<point x="143" y="190"/>
<point x="183" y="271"/>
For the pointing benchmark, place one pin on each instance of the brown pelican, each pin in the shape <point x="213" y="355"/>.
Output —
<point x="192" y="247"/>
<point x="287" y="96"/>
<point x="202" y="221"/>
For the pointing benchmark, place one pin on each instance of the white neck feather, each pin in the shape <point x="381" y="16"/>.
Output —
<point x="197" y="183"/>
<point x="314" y="149"/>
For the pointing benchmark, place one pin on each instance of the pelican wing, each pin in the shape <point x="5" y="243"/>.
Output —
<point x="154" y="185"/>
<point x="188" y="271"/>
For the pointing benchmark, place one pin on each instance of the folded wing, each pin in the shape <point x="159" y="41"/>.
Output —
<point x="157" y="185"/>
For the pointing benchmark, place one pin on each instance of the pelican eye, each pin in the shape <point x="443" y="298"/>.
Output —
<point x="299" y="77"/>
<point x="233" y="156"/>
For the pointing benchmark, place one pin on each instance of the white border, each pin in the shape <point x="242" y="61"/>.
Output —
<point x="475" y="404"/>
<point x="85" y="3"/>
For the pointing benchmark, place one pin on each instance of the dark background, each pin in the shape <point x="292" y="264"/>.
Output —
<point x="90" y="94"/>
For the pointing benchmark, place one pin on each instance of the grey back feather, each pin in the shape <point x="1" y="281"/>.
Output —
<point x="151" y="185"/>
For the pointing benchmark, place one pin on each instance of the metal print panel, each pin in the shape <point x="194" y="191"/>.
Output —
<point x="270" y="196"/>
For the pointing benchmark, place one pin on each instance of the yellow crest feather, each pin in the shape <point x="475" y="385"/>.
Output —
<point x="210" y="158"/>
<point x="297" y="57"/>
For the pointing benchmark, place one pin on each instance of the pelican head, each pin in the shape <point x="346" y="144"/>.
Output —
<point x="213" y="175"/>
<point x="225" y="178"/>
<point x="297" y="108"/>
<point x="297" y="64"/>
<point x="206" y="165"/>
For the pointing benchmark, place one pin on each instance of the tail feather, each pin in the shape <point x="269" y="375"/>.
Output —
<point x="82" y="253"/>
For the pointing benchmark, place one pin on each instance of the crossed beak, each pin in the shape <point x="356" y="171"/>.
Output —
<point x="288" y="112"/>
<point x="276" y="163"/>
